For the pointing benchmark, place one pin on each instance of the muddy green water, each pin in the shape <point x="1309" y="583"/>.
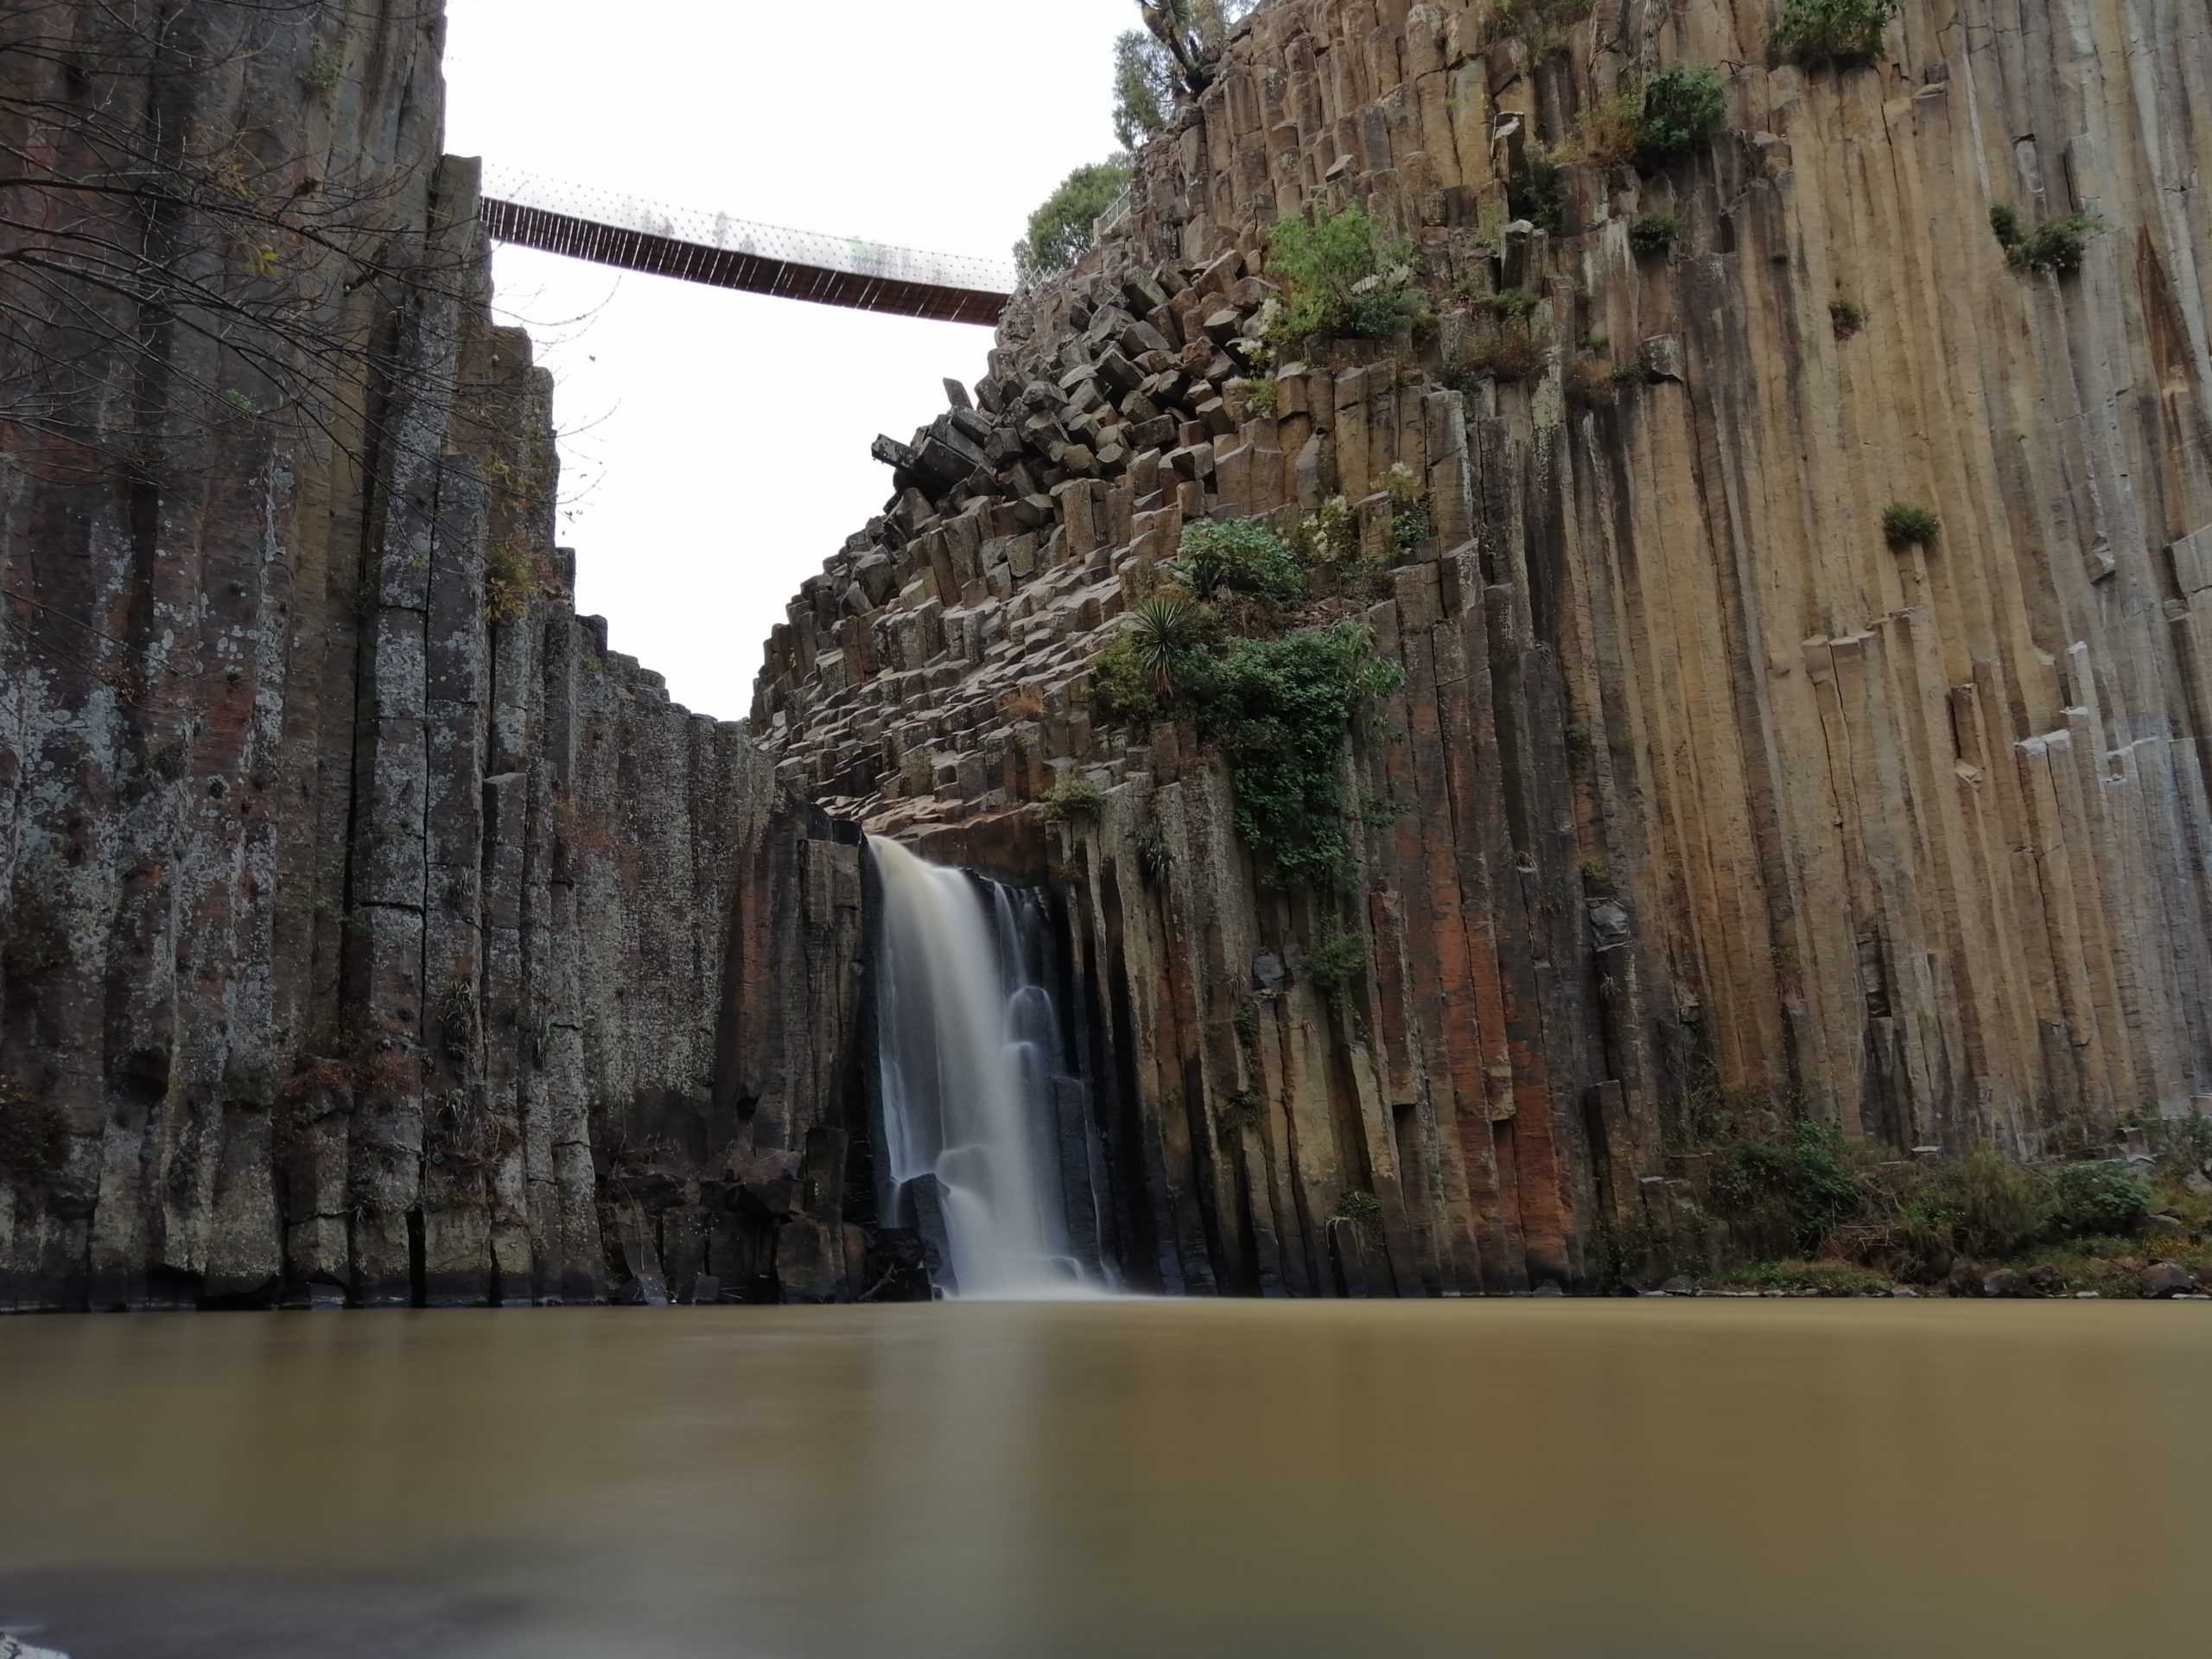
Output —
<point x="1833" y="1480"/>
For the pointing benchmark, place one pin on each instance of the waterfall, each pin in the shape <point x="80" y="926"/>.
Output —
<point x="988" y="1150"/>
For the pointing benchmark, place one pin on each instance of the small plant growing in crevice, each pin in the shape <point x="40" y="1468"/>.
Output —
<point x="1508" y="357"/>
<point x="1846" y="318"/>
<point x="457" y="1019"/>
<point x="1363" y="1209"/>
<point x="1844" y="33"/>
<point x="1537" y="192"/>
<point x="1654" y="231"/>
<point x="1072" y="799"/>
<point x="1579" y="744"/>
<point x="324" y="70"/>
<point x="1155" y="859"/>
<point x="1509" y="305"/>
<point x="1242" y="1110"/>
<point x="1597" y="875"/>
<point x="2051" y="246"/>
<point x="1335" y="958"/>
<point x="1411" y="522"/>
<point x="1259" y="394"/>
<point x="1245" y="1022"/>
<point x="1905" y="525"/>
<point x="1684" y="107"/>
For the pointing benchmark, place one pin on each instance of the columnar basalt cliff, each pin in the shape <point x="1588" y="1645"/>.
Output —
<point x="1699" y="781"/>
<point x="372" y="934"/>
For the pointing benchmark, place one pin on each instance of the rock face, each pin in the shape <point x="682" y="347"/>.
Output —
<point x="372" y="933"/>
<point x="1701" y="783"/>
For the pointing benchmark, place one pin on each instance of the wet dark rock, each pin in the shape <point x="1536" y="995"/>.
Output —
<point x="2165" y="1280"/>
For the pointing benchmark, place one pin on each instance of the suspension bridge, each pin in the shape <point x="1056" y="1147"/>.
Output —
<point x="631" y="234"/>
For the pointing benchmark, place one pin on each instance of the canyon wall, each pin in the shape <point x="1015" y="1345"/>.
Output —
<point x="1700" y="793"/>
<point x="372" y="934"/>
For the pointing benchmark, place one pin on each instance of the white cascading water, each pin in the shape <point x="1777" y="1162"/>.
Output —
<point x="967" y="1037"/>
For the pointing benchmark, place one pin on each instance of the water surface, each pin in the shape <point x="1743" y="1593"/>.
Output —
<point x="1828" y="1480"/>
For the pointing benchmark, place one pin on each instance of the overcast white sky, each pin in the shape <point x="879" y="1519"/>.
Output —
<point x="714" y="444"/>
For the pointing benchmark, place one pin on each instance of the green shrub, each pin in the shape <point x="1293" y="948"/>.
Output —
<point x="1797" y="1183"/>
<point x="1073" y="798"/>
<point x="1281" y="709"/>
<point x="1155" y="857"/>
<point x="1245" y="1022"/>
<point x="1508" y="357"/>
<point x="1125" y="688"/>
<point x="1237" y="558"/>
<point x="1845" y="33"/>
<point x="1537" y="193"/>
<point x="1846" y="318"/>
<point x="1242" y="1110"/>
<point x="1259" y="395"/>
<point x="1062" y="230"/>
<point x="1905" y="525"/>
<point x="1684" y="106"/>
<point x="1510" y="305"/>
<point x="2097" y="1198"/>
<point x="2053" y="245"/>
<point x="1336" y="282"/>
<point x="1334" y="959"/>
<point x="1360" y="1208"/>
<point x="1982" y="1205"/>
<point x="1655" y="231"/>
<point x="324" y="70"/>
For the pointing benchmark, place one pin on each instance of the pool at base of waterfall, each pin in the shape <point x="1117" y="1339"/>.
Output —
<point x="1533" y="1479"/>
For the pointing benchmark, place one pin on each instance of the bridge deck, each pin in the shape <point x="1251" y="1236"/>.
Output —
<point x="725" y="252"/>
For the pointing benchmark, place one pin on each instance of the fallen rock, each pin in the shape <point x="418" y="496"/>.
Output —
<point x="2006" y="1283"/>
<point x="1679" y="1286"/>
<point x="2163" y="1280"/>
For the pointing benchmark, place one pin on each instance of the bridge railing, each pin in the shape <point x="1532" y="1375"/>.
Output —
<point x="611" y="227"/>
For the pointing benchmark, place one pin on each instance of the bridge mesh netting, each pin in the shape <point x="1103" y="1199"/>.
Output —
<point x="610" y="227"/>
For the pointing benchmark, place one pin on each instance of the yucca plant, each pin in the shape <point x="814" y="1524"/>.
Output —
<point x="1165" y="629"/>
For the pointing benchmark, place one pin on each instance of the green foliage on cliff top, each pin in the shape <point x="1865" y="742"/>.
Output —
<point x="1063" y="229"/>
<point x="1338" y="281"/>
<point x="1237" y="558"/>
<point x="1168" y="62"/>
<point x="1845" y="33"/>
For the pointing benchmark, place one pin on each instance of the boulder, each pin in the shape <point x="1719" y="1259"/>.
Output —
<point x="2165" y="1279"/>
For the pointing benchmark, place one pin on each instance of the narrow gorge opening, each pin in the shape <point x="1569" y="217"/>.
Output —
<point x="991" y="1153"/>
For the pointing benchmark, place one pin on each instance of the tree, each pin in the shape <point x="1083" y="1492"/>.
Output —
<point x="1065" y="224"/>
<point x="1171" y="59"/>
